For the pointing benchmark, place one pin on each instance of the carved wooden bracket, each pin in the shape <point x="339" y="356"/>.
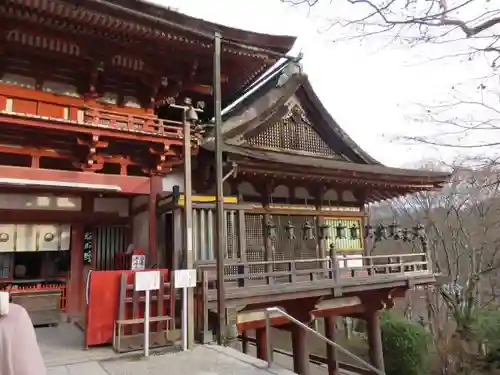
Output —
<point x="163" y="158"/>
<point x="92" y="162"/>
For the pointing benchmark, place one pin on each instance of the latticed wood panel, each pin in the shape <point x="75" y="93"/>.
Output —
<point x="300" y="247"/>
<point x="254" y="236"/>
<point x="293" y="133"/>
<point x="232" y="240"/>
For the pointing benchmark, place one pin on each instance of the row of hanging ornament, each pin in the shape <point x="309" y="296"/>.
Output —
<point x="308" y="231"/>
<point x="396" y="232"/>
<point x="378" y="233"/>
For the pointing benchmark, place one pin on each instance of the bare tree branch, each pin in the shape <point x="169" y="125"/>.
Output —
<point x="470" y="28"/>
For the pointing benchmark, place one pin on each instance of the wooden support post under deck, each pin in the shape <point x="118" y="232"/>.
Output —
<point x="300" y="350"/>
<point x="331" y="352"/>
<point x="260" y="339"/>
<point x="375" y="339"/>
<point x="244" y="342"/>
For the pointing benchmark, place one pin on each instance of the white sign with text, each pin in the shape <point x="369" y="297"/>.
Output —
<point x="147" y="280"/>
<point x="185" y="278"/>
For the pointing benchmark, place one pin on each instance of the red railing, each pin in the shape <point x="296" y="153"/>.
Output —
<point x="27" y="103"/>
<point x="133" y="123"/>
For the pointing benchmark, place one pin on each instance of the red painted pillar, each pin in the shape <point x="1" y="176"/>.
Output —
<point x="300" y="350"/>
<point x="260" y="338"/>
<point x="154" y="189"/>
<point x="375" y="339"/>
<point x="331" y="352"/>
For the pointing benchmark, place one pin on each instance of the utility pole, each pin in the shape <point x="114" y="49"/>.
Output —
<point x="189" y="117"/>
<point x="220" y="240"/>
<point x="188" y="224"/>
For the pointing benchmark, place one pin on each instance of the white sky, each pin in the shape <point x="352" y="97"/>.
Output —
<point x="369" y="89"/>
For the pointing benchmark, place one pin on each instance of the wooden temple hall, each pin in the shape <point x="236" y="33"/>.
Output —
<point x="94" y="104"/>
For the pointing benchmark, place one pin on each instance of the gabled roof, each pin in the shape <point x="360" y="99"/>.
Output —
<point x="261" y="108"/>
<point x="265" y="106"/>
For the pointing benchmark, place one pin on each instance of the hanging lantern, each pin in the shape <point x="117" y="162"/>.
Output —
<point x="324" y="231"/>
<point x="340" y="230"/>
<point x="308" y="231"/>
<point x="419" y="232"/>
<point x="271" y="229"/>
<point x="369" y="231"/>
<point x="395" y="230"/>
<point x="290" y="230"/>
<point x="392" y="228"/>
<point x="354" y="231"/>
<point x="331" y="248"/>
<point x="406" y="235"/>
<point x="380" y="232"/>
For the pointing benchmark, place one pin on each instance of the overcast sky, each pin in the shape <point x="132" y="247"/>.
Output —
<point x="370" y="89"/>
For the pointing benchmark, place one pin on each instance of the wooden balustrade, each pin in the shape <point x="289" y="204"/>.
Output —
<point x="30" y="104"/>
<point x="309" y="274"/>
<point x="149" y="124"/>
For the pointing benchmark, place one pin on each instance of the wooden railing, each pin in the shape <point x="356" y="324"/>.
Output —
<point x="149" y="124"/>
<point x="283" y="274"/>
<point x="27" y="103"/>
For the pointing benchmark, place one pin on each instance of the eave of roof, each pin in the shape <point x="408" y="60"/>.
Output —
<point x="330" y="166"/>
<point x="279" y="44"/>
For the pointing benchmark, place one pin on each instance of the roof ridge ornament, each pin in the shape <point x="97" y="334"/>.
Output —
<point x="291" y="69"/>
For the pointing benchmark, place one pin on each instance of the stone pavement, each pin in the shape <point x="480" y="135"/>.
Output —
<point x="201" y="360"/>
<point x="63" y="345"/>
<point x="62" y="348"/>
<point x="85" y="368"/>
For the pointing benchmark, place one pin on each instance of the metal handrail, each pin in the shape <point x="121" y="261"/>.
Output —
<point x="269" y="350"/>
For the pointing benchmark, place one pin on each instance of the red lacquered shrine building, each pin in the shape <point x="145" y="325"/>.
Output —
<point x="90" y="134"/>
<point x="92" y="95"/>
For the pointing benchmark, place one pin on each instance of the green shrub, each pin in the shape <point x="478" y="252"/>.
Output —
<point x="359" y="325"/>
<point x="486" y="330"/>
<point x="405" y="345"/>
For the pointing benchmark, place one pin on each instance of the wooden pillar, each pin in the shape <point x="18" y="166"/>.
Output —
<point x="154" y="189"/>
<point x="75" y="287"/>
<point x="331" y="352"/>
<point x="300" y="350"/>
<point x="375" y="339"/>
<point x="244" y="342"/>
<point x="260" y="338"/>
